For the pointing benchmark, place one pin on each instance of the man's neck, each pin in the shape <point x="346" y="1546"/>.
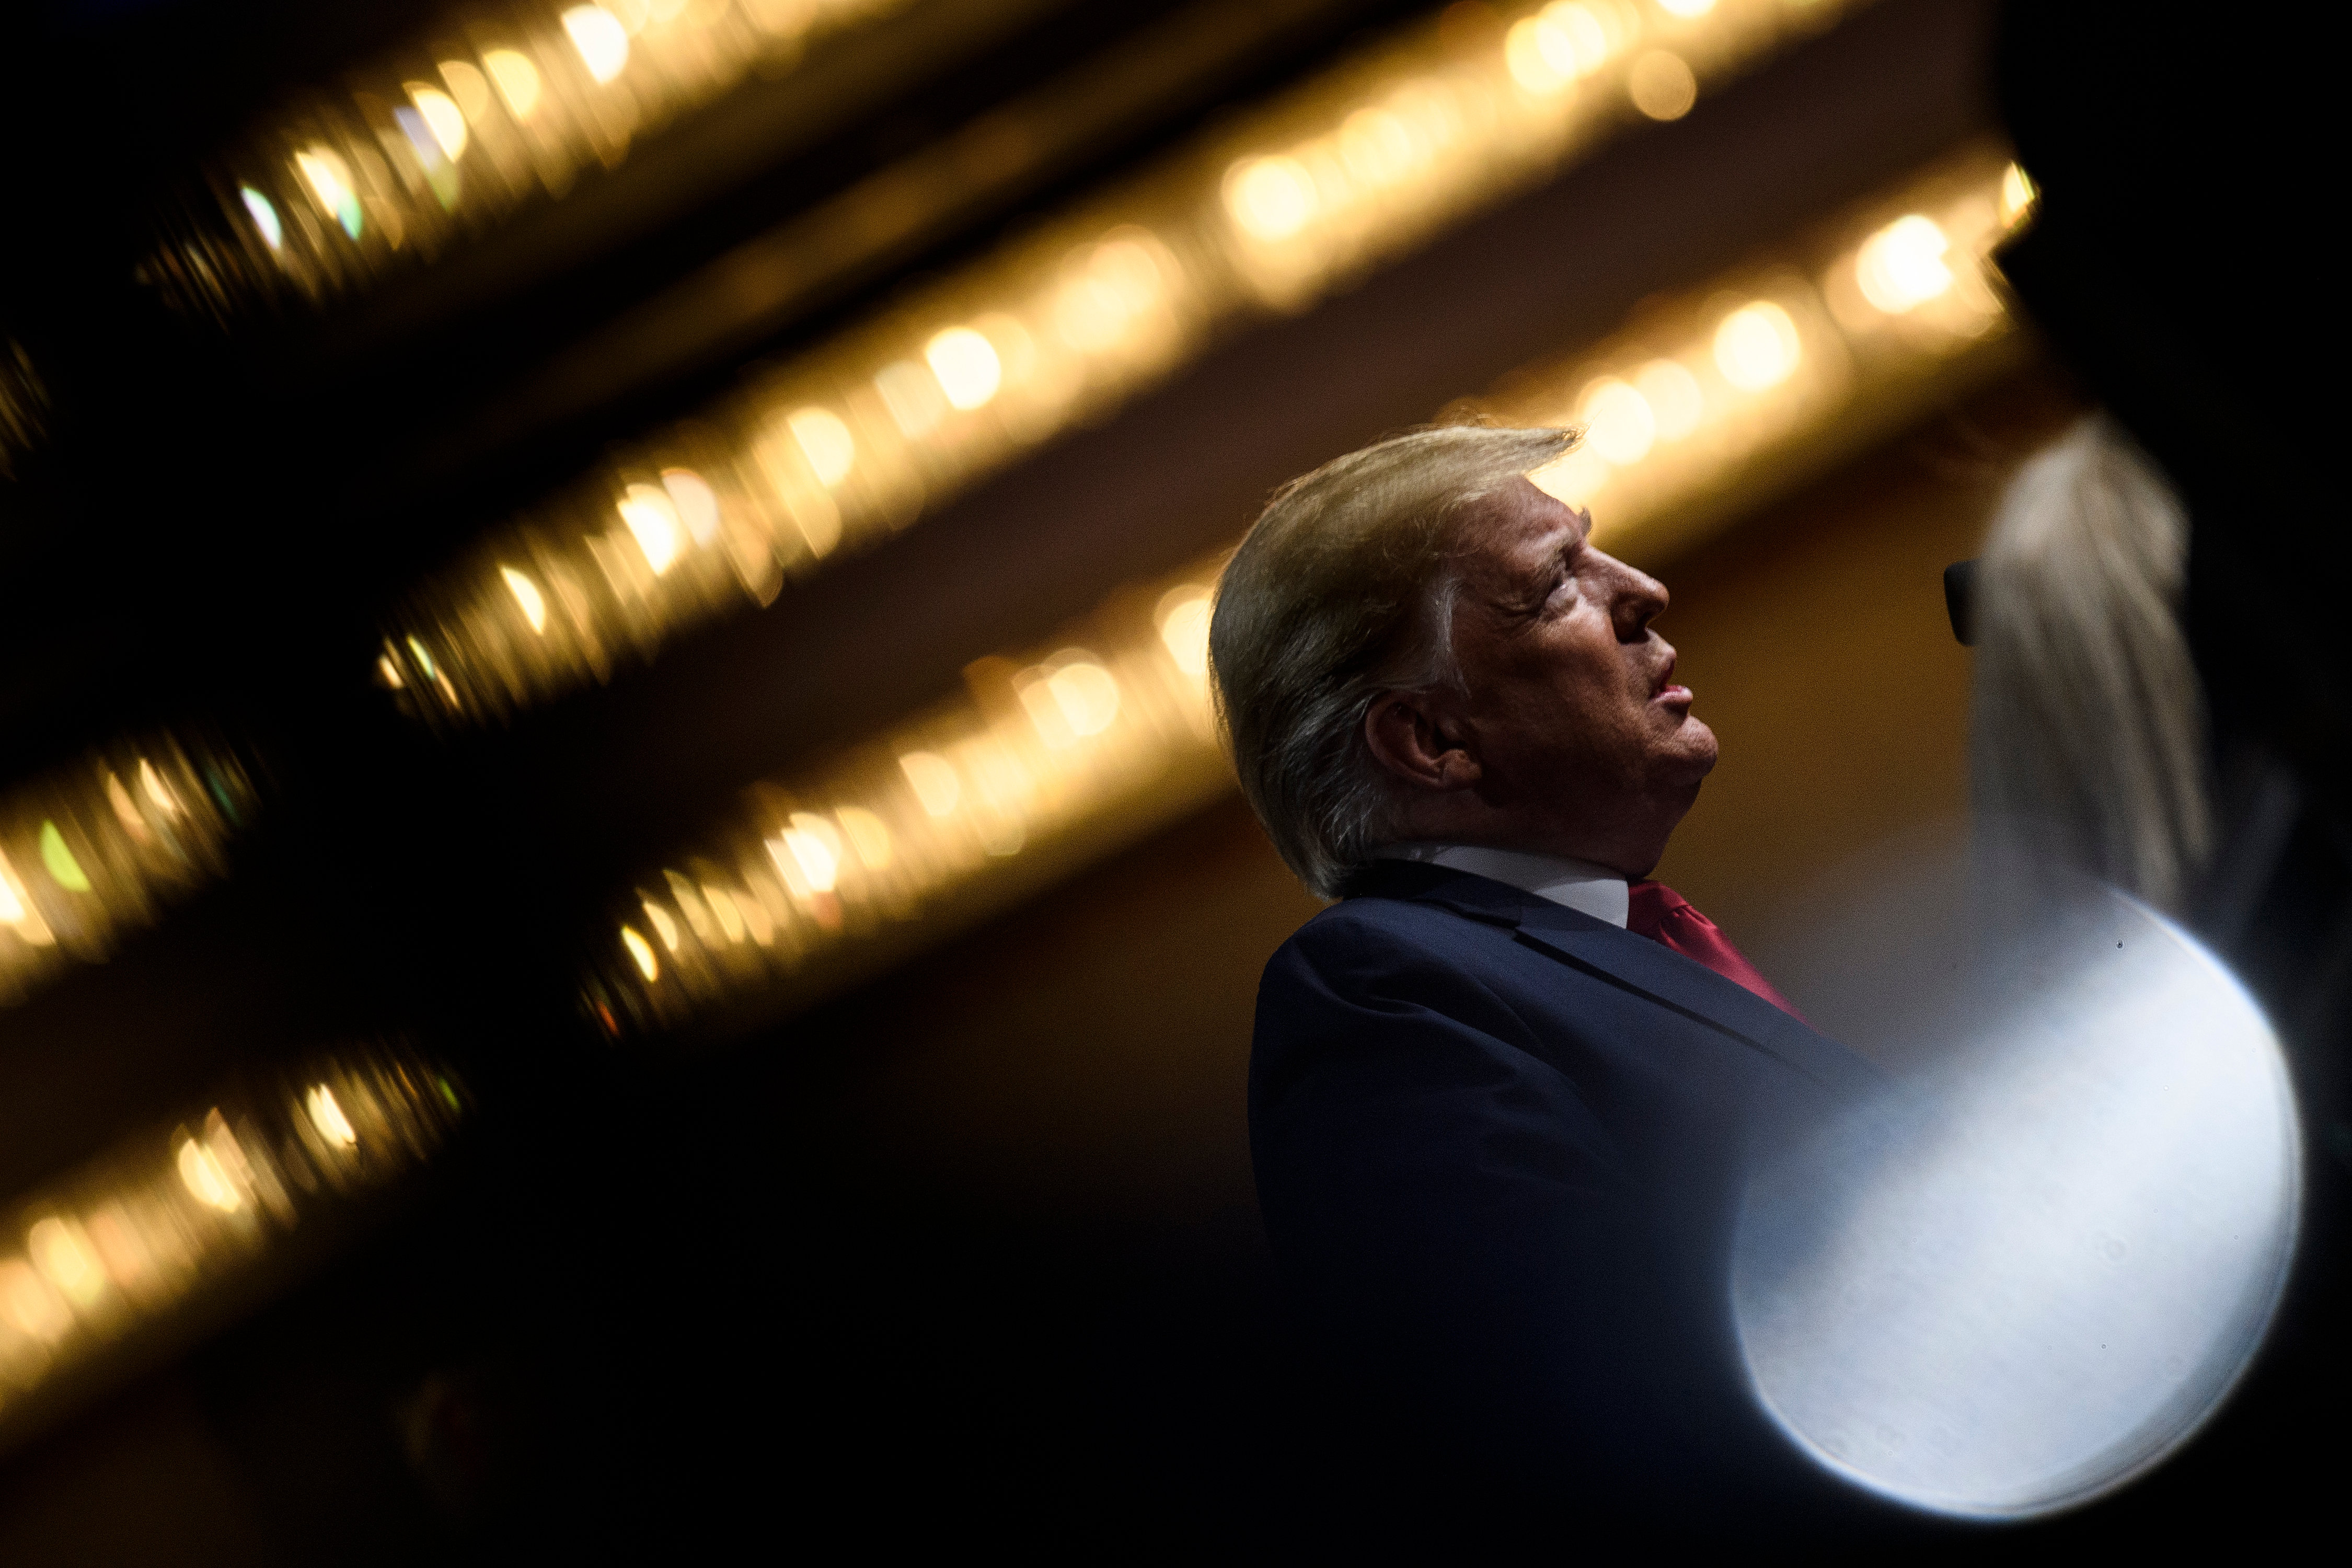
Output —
<point x="1579" y="885"/>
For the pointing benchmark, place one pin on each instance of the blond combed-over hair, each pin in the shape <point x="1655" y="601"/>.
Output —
<point x="2088" y="730"/>
<point x="1344" y="589"/>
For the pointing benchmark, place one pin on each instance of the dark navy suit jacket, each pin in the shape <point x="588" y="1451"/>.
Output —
<point x="1499" y="1147"/>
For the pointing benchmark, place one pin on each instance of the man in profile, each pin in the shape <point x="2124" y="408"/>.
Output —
<point x="1501" y="1095"/>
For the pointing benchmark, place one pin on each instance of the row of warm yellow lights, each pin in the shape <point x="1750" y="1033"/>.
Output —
<point x="926" y="812"/>
<point x="1663" y="416"/>
<point x="101" y="847"/>
<point x="164" y="1215"/>
<point x="853" y="441"/>
<point x="329" y="198"/>
<point x="1031" y="750"/>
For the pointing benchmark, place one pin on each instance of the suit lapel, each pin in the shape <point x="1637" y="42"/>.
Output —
<point x="1630" y="962"/>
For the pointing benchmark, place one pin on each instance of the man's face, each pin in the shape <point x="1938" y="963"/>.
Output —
<point x="1572" y="705"/>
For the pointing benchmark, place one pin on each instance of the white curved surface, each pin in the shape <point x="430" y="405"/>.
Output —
<point x="2037" y="1271"/>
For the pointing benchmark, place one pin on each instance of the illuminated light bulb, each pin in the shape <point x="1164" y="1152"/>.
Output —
<point x="59" y="859"/>
<point x="633" y="15"/>
<point x="1540" y="57"/>
<point x="469" y="86"/>
<point x="265" y="217"/>
<point x="721" y="905"/>
<point x="29" y="1302"/>
<point x="1620" y="425"/>
<point x="1270" y="198"/>
<point x="1590" y="38"/>
<point x="1673" y="396"/>
<point x="868" y="833"/>
<point x="2018" y="195"/>
<point x="652" y="517"/>
<point x="61" y="1251"/>
<point x="1661" y="85"/>
<point x="442" y="117"/>
<point x="518" y="82"/>
<point x="387" y="671"/>
<point x="423" y="660"/>
<point x="934" y="781"/>
<point x="697" y="503"/>
<point x="1183" y="615"/>
<point x="327" y="1116"/>
<point x="1379" y="147"/>
<point x="602" y="41"/>
<point x="1087" y="693"/>
<point x="330" y="179"/>
<point x="1901" y="266"/>
<point x="1756" y="346"/>
<point x="1015" y="349"/>
<point x="641" y="953"/>
<point x="526" y="593"/>
<point x="811" y="848"/>
<point x="757" y="919"/>
<point x="208" y="1182"/>
<point x="1687" y="7"/>
<point x="966" y="364"/>
<point x="825" y="442"/>
<point x="1573" y="479"/>
<point x="664" y="927"/>
<point x="913" y="398"/>
<point x="126" y="810"/>
<point x="157" y="790"/>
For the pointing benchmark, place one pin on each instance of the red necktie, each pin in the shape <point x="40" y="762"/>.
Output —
<point x="1665" y="917"/>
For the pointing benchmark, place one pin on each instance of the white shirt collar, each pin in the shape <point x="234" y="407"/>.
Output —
<point x="1579" y="885"/>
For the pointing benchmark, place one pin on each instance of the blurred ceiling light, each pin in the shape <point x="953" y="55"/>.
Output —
<point x="1901" y="266"/>
<point x="1756" y="346"/>
<point x="1271" y="198"/>
<point x="641" y="953"/>
<point x="60" y="1249"/>
<point x="327" y="1116"/>
<point x="825" y="441"/>
<point x="1183" y="615"/>
<point x="847" y="441"/>
<point x="1672" y="393"/>
<point x="126" y="1253"/>
<point x="1687" y="7"/>
<point x="664" y="927"/>
<point x="799" y="848"/>
<point x="442" y="114"/>
<point x="966" y="364"/>
<point x="912" y="396"/>
<point x="59" y="859"/>
<point x="265" y="217"/>
<point x="2018" y="193"/>
<point x="526" y="593"/>
<point x="602" y="42"/>
<point x="469" y="88"/>
<point x="202" y="1171"/>
<point x="697" y="506"/>
<point x="330" y="179"/>
<point x="869" y="835"/>
<point x="84" y="857"/>
<point x="1661" y="85"/>
<point x="934" y="781"/>
<point x="518" y="82"/>
<point x="1087" y="693"/>
<point x="1619" y="423"/>
<point x="653" y="520"/>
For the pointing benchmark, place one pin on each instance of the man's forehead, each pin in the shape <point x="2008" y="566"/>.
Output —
<point x="1518" y="522"/>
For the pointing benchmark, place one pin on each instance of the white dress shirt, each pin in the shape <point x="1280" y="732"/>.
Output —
<point x="1581" y="886"/>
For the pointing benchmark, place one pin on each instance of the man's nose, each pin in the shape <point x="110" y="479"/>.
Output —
<point x="1640" y="599"/>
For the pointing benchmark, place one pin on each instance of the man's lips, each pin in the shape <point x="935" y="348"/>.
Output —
<point x="1667" y="691"/>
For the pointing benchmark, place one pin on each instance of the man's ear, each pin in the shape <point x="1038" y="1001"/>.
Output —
<point x="1414" y="739"/>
